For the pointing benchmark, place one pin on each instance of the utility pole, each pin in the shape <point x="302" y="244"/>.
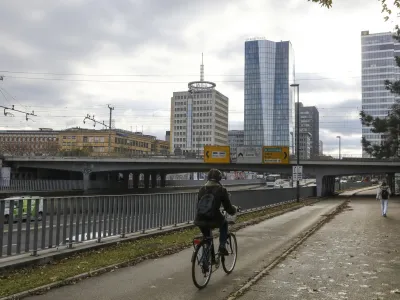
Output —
<point x="88" y="117"/>
<point x="109" y="134"/>
<point x="296" y="85"/>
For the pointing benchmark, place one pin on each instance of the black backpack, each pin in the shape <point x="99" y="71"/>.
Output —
<point x="385" y="194"/>
<point x="205" y="206"/>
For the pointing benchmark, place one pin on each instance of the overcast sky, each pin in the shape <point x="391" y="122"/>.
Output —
<point x="66" y="59"/>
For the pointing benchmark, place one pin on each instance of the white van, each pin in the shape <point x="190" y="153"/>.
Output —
<point x="25" y="199"/>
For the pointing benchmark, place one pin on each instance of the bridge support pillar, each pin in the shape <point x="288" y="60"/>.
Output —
<point x="331" y="189"/>
<point x="325" y="185"/>
<point x="146" y="180"/>
<point x="154" y="180"/>
<point x="86" y="181"/>
<point x="320" y="184"/>
<point x="125" y="184"/>
<point x="163" y="179"/>
<point x="136" y="180"/>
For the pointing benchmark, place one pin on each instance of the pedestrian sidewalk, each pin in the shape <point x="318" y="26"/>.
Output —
<point x="354" y="256"/>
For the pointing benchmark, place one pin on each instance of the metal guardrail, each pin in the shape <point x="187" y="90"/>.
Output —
<point x="64" y="221"/>
<point x="44" y="185"/>
<point x="349" y="185"/>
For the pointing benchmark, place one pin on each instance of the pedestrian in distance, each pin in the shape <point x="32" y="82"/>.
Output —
<point x="383" y="195"/>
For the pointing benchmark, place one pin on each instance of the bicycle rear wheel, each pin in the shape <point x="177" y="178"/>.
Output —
<point x="229" y="262"/>
<point x="201" y="265"/>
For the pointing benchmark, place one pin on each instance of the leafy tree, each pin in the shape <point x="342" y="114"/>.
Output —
<point x="385" y="8"/>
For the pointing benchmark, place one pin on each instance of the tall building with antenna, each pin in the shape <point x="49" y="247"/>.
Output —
<point x="199" y="116"/>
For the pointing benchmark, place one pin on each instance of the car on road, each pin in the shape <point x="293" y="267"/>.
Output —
<point x="17" y="201"/>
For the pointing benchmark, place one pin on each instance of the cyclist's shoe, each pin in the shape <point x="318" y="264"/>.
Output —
<point x="223" y="251"/>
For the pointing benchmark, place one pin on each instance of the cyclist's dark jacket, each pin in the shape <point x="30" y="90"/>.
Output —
<point x="221" y="197"/>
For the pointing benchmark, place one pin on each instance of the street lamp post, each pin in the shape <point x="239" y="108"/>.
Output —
<point x="340" y="146"/>
<point x="297" y="139"/>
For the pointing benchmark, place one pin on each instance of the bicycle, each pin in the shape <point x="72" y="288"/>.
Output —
<point x="208" y="257"/>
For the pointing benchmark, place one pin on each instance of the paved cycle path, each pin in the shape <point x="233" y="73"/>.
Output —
<point x="355" y="256"/>
<point x="170" y="277"/>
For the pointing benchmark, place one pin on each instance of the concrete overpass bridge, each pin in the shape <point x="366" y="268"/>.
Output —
<point x="325" y="171"/>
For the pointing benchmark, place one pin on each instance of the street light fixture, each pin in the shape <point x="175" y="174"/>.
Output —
<point x="340" y="146"/>
<point x="297" y="138"/>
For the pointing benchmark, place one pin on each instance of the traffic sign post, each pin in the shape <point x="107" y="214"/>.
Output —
<point x="217" y="154"/>
<point x="297" y="173"/>
<point x="249" y="155"/>
<point x="275" y="155"/>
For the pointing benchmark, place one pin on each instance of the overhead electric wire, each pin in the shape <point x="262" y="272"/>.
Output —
<point x="157" y="82"/>
<point x="3" y="88"/>
<point x="140" y="75"/>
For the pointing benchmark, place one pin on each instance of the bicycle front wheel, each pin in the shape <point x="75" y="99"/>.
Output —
<point x="201" y="265"/>
<point x="229" y="261"/>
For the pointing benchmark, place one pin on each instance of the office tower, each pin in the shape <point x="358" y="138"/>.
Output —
<point x="199" y="117"/>
<point x="269" y="110"/>
<point x="378" y="64"/>
<point x="235" y="139"/>
<point x="305" y="145"/>
<point x="167" y="136"/>
<point x="309" y="122"/>
<point x="321" y="148"/>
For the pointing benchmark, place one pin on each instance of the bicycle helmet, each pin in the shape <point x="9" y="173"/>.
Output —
<point x="215" y="175"/>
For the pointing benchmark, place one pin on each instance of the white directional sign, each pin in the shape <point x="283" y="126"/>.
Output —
<point x="297" y="173"/>
<point x="249" y="155"/>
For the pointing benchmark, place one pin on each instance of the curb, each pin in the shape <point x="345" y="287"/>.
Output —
<point x="303" y="237"/>
<point x="165" y="252"/>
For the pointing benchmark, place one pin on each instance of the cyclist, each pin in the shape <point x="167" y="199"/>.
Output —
<point x="208" y="215"/>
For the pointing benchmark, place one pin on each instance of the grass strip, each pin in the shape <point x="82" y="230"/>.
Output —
<point x="127" y="253"/>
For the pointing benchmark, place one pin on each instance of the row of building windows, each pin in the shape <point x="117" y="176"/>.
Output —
<point x="180" y="115"/>
<point x="377" y="39"/>
<point x="131" y="142"/>
<point x="197" y="96"/>
<point x="27" y="139"/>
<point x="373" y="112"/>
<point x="381" y="47"/>
<point x="377" y="55"/>
<point x="377" y="106"/>
<point x="375" y="76"/>
<point x="379" y="70"/>
<point x="374" y="89"/>
<point x="93" y="139"/>
<point x="375" y="94"/>
<point x="378" y="63"/>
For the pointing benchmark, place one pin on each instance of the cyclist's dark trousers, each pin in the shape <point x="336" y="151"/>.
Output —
<point x="223" y="233"/>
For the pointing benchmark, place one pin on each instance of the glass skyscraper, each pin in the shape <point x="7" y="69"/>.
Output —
<point x="269" y="107"/>
<point x="378" y="64"/>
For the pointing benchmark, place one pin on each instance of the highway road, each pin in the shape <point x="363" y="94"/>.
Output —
<point x="170" y="277"/>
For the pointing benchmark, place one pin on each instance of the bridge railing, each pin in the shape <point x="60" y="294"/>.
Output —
<point x="172" y="157"/>
<point x="66" y="221"/>
<point x="22" y="185"/>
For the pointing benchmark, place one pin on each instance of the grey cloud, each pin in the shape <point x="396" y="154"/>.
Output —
<point x="339" y="119"/>
<point x="310" y="83"/>
<point x="70" y="32"/>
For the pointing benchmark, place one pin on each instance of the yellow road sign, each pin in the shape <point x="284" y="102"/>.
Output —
<point x="275" y="155"/>
<point x="217" y="154"/>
